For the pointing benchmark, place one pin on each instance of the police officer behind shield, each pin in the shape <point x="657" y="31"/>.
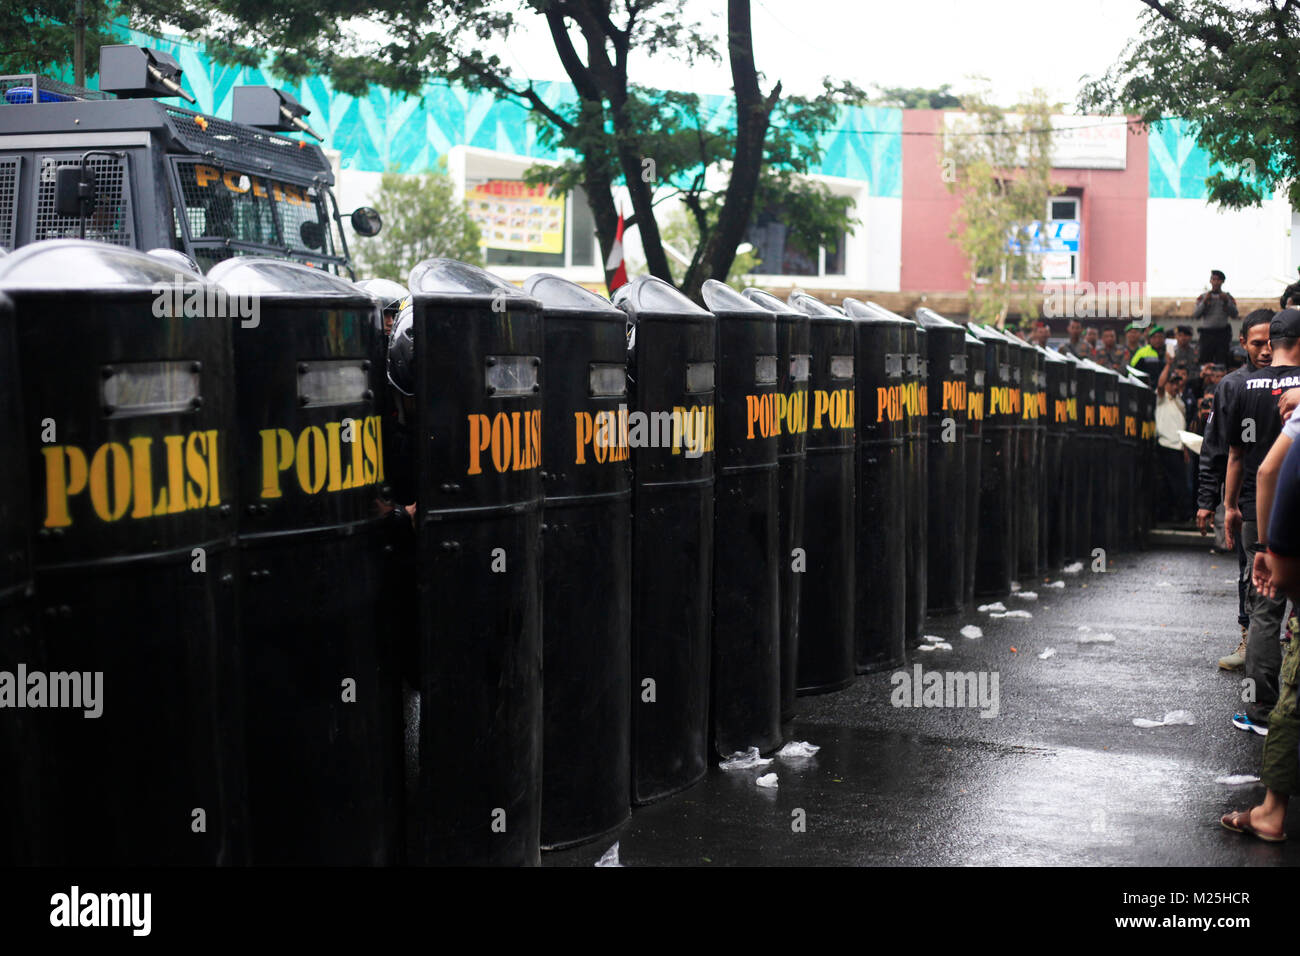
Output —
<point x="399" y="449"/>
<point x="391" y="295"/>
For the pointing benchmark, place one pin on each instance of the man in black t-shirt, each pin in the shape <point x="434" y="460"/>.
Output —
<point x="1251" y="423"/>
<point x="1212" y="463"/>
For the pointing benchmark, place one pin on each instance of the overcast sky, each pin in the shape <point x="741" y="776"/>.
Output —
<point x="1016" y="44"/>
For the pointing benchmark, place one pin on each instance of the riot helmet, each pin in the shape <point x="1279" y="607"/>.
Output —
<point x="391" y="295"/>
<point x="401" y="351"/>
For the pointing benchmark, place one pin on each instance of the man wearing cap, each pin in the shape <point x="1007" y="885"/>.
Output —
<point x="1150" y="358"/>
<point x="1252" y="422"/>
<point x="1216" y="309"/>
<point x="1132" y="340"/>
<point x="1213" y="463"/>
<point x="1075" y="344"/>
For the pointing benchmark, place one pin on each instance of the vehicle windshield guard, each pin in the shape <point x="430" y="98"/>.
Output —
<point x="225" y="211"/>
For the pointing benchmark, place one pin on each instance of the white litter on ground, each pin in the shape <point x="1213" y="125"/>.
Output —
<point x="1237" y="779"/>
<point x="1013" y="614"/>
<point x="1230" y="581"/>
<point x="970" y="630"/>
<point x="995" y="606"/>
<point x="1073" y="568"/>
<point x="1101" y="637"/>
<point x="932" y="638"/>
<point x="1163" y="584"/>
<point x="1015" y="586"/>
<point x="768" y="781"/>
<point x="797" y="748"/>
<point x="609" y="857"/>
<point x="1055" y="584"/>
<point x="1027" y="595"/>
<point x="1171" y="719"/>
<point x="941" y="646"/>
<point x="744" y="760"/>
<point x="1084" y="627"/>
<point x="1050" y="652"/>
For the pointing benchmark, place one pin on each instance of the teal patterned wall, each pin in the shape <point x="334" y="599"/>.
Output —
<point x="1176" y="166"/>
<point x="386" y="129"/>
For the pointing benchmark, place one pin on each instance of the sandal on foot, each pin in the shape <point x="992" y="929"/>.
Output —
<point x="1239" y="822"/>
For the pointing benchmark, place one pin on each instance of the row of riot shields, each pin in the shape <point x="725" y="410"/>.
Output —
<point x="188" y="616"/>
<point x="269" y="594"/>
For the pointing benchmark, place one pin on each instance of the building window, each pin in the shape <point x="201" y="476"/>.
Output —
<point x="1061" y="263"/>
<point x="781" y="254"/>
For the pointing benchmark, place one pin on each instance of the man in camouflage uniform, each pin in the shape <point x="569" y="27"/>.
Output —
<point x="1109" y="354"/>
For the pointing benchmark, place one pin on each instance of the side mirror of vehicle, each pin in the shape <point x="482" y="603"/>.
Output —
<point x="74" y="191"/>
<point x="366" y="221"/>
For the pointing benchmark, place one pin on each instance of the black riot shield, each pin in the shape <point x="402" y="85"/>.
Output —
<point x="1056" y="416"/>
<point x="976" y="402"/>
<point x="826" y="611"/>
<point x="1146" y="451"/>
<point x="1105" y="477"/>
<point x="476" y="794"/>
<point x="587" y="574"/>
<point x="320" y="677"/>
<point x="792" y="364"/>
<point x="1024" y="519"/>
<point x="1020" y="437"/>
<point x="1085" y="459"/>
<point x="20" y="744"/>
<point x="671" y="434"/>
<point x="914" y="421"/>
<point x="1069" y="485"/>
<point x="746" y="701"/>
<point x="127" y="387"/>
<point x="945" y="462"/>
<point x="1126" y="445"/>
<point x="881" y="552"/>
<point x="996" y="556"/>
<point x="1038" y="546"/>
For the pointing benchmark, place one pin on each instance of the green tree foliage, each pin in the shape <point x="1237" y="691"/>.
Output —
<point x="655" y="145"/>
<point x="36" y="36"/>
<point x="682" y="232"/>
<point x="422" y="218"/>
<point x="1000" y="166"/>
<point x="1229" y="69"/>
<point x="919" y="98"/>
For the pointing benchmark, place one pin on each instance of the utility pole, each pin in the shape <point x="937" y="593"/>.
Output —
<point x="79" y="43"/>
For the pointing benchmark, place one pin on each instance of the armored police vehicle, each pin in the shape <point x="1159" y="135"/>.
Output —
<point x="117" y="165"/>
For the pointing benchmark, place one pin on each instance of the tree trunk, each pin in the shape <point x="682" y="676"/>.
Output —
<point x="753" y="116"/>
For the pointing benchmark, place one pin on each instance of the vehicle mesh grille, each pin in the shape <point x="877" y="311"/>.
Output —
<point x="111" y="219"/>
<point x="231" y="142"/>
<point x="8" y="201"/>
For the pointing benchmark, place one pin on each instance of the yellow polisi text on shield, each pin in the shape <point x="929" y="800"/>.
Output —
<point x="508" y="441"/>
<point x="122" y="482"/>
<point x="832" y="409"/>
<point x="335" y="456"/>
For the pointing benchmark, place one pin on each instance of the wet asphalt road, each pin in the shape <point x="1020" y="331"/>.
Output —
<point x="1060" y="776"/>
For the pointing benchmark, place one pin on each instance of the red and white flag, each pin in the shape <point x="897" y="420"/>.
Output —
<point x="615" y="262"/>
